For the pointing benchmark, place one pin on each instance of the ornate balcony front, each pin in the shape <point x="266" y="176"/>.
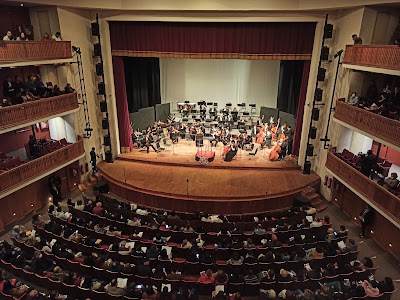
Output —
<point x="21" y="52"/>
<point x="364" y="186"/>
<point x="376" y="126"/>
<point x="36" y="169"/>
<point x="20" y="115"/>
<point x="373" y="56"/>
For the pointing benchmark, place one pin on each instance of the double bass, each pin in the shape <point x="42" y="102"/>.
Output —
<point x="274" y="154"/>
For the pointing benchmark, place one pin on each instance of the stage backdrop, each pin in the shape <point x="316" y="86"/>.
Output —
<point x="219" y="80"/>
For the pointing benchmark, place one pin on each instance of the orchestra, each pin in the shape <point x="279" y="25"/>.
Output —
<point x="271" y="135"/>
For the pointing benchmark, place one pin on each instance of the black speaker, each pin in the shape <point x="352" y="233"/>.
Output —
<point x="321" y="74"/>
<point x="102" y="88"/>
<point x="315" y="114"/>
<point x="324" y="53"/>
<point x="103" y="106"/>
<point x="108" y="156"/>
<point x="97" y="49"/>
<point x="101" y="187"/>
<point x="107" y="140"/>
<point x="313" y="132"/>
<point x="104" y="123"/>
<point x="95" y="29"/>
<point x="318" y="94"/>
<point x="328" y="31"/>
<point x="307" y="167"/>
<point x="310" y="150"/>
<point x="99" y="69"/>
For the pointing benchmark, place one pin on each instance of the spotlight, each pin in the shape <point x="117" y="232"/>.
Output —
<point x="22" y="4"/>
<point x="95" y="29"/>
<point x="31" y="205"/>
<point x="338" y="53"/>
<point x="102" y="88"/>
<point x="390" y="245"/>
<point x="76" y="49"/>
<point x="99" y="69"/>
<point x="97" y="49"/>
<point x="14" y="214"/>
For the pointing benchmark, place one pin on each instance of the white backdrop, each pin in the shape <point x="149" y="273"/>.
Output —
<point x="219" y="80"/>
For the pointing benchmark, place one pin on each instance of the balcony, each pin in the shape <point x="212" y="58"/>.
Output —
<point x="32" y="52"/>
<point x="364" y="187"/>
<point x="373" y="57"/>
<point x="17" y="116"/>
<point x="34" y="170"/>
<point x="382" y="129"/>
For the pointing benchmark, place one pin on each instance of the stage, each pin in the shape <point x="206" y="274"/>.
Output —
<point x="172" y="179"/>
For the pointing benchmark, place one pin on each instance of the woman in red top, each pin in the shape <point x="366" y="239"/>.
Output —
<point x="207" y="277"/>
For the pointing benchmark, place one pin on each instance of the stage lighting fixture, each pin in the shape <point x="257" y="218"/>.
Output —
<point x="310" y="150"/>
<point x="328" y="31"/>
<point x="313" y="132"/>
<point x="104" y="123"/>
<point x="99" y="69"/>
<point x="107" y="140"/>
<point x="108" y="156"/>
<point x="97" y="49"/>
<point x="252" y="105"/>
<point x="318" y="94"/>
<point x="338" y="53"/>
<point x="307" y="167"/>
<point x="315" y="114"/>
<point x="76" y="49"/>
<point x="103" y="106"/>
<point x="229" y="104"/>
<point x="321" y="74"/>
<point x="95" y="29"/>
<point x="88" y="129"/>
<point x="324" y="53"/>
<point x="102" y="88"/>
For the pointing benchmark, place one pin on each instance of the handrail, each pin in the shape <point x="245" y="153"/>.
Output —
<point x="41" y="165"/>
<point x="376" y="125"/>
<point x="386" y="201"/>
<point x="377" y="56"/>
<point x="36" y="110"/>
<point x="14" y="51"/>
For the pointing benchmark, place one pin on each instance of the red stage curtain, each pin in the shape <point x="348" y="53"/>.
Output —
<point x="125" y="136"/>
<point x="280" y="41"/>
<point x="300" y="108"/>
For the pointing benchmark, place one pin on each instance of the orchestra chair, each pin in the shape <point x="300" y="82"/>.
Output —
<point x="253" y="154"/>
<point x="166" y="145"/>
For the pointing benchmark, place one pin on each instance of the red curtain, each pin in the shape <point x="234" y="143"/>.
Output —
<point x="125" y="136"/>
<point x="300" y="108"/>
<point x="293" y="41"/>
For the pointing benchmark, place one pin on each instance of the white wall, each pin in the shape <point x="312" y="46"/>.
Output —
<point x="63" y="128"/>
<point x="354" y="141"/>
<point x="219" y="80"/>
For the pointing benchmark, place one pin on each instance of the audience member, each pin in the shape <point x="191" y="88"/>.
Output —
<point x="356" y="39"/>
<point x="9" y="36"/>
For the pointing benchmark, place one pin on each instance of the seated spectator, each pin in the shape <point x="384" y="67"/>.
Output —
<point x="46" y="37"/>
<point x="79" y="205"/>
<point x="207" y="277"/>
<point x="284" y="276"/>
<point x="9" y="36"/>
<point x="316" y="253"/>
<point x="98" y="209"/>
<point x="68" y="89"/>
<point x="88" y="206"/>
<point x="134" y="222"/>
<point x="259" y="229"/>
<point x="187" y="228"/>
<point x="186" y="244"/>
<point x="173" y="216"/>
<point x="236" y="296"/>
<point x="267" y="294"/>
<point x="386" y="285"/>
<point x="371" y="289"/>
<point x="316" y="223"/>
<point x="113" y="289"/>
<point x="236" y="259"/>
<point x="326" y="220"/>
<point x="22" y="37"/>
<point x="356" y="39"/>
<point x="8" y="88"/>
<point x="343" y="232"/>
<point x="57" y="36"/>
<point x="391" y="182"/>
<point x="267" y="276"/>
<point x="220" y="277"/>
<point x="353" y="100"/>
<point x="368" y="263"/>
<point x="251" y="277"/>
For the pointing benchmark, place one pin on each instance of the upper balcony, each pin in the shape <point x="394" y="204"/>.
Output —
<point x="373" y="58"/>
<point x="21" y="53"/>
<point x="365" y="188"/>
<point x="377" y="127"/>
<point x="31" y="171"/>
<point x="28" y="113"/>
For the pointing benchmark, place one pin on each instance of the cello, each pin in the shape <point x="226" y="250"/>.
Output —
<point x="227" y="148"/>
<point x="274" y="154"/>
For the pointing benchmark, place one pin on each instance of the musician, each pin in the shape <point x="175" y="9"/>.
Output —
<point x="283" y="143"/>
<point x="183" y="130"/>
<point x="149" y="143"/>
<point x="174" y="135"/>
<point x="137" y="138"/>
<point x="260" y="121"/>
<point x="185" y="110"/>
<point x="225" y="111"/>
<point x="203" y="112"/>
<point x="289" y="134"/>
<point x="230" y="151"/>
<point x="268" y="139"/>
<point x="235" y="114"/>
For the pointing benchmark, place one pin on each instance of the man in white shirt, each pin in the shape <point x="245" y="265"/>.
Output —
<point x="57" y="36"/>
<point x="9" y="36"/>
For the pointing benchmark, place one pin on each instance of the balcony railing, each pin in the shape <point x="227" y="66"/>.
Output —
<point x="376" y="125"/>
<point x="372" y="191"/>
<point x="29" y="112"/>
<point x="34" y="51"/>
<point x="34" y="168"/>
<point x="376" y="56"/>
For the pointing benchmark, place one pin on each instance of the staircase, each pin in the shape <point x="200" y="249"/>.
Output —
<point x="314" y="198"/>
<point x="87" y="185"/>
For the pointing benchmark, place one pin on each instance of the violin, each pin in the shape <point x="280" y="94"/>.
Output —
<point x="274" y="154"/>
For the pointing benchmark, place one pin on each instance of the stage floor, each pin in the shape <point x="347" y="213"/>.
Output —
<point x="183" y="154"/>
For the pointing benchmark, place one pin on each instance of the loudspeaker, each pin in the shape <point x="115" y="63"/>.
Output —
<point x="102" y="88"/>
<point x="108" y="156"/>
<point x="315" y="114"/>
<point x="104" y="123"/>
<point x="328" y="30"/>
<point x="321" y="74"/>
<point x="103" y="106"/>
<point x="97" y="49"/>
<point x="101" y="187"/>
<point x="318" y="94"/>
<point x="310" y="150"/>
<point x="313" y="132"/>
<point x="324" y="53"/>
<point x="307" y="167"/>
<point x="100" y="71"/>
<point x="95" y="29"/>
<point x="107" y="140"/>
